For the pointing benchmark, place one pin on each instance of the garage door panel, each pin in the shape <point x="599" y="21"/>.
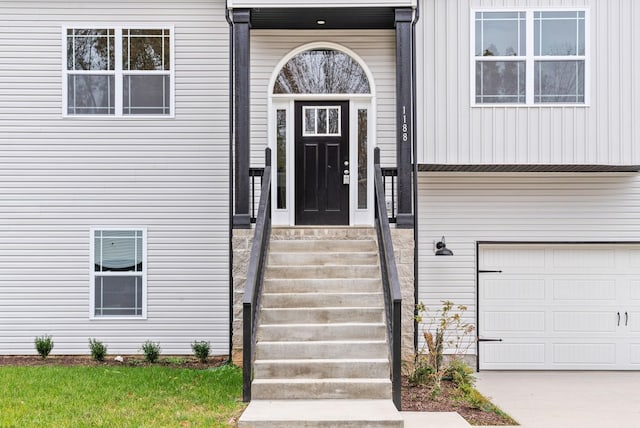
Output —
<point x="634" y="291"/>
<point x="634" y="354"/>
<point x="556" y="306"/>
<point x="508" y="289"/>
<point x="512" y="354"/>
<point x="586" y="322"/>
<point x="584" y="289"/>
<point x="514" y="321"/>
<point x="520" y="260"/>
<point x="570" y="258"/>
<point x="588" y="354"/>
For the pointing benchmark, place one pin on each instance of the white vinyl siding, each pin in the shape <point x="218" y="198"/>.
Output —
<point x="375" y="47"/>
<point x="467" y="208"/>
<point x="451" y="131"/>
<point x="60" y="177"/>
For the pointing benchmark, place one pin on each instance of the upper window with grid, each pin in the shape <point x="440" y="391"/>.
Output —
<point x="530" y="57"/>
<point x="119" y="72"/>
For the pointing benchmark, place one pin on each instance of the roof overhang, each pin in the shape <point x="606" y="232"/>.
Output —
<point x="325" y="18"/>
<point x="527" y="168"/>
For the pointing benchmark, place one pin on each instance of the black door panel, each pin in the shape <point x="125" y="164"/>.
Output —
<point x="321" y="195"/>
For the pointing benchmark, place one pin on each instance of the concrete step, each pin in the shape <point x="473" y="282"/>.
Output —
<point x="322" y="285"/>
<point x="322" y="245"/>
<point x="330" y="271"/>
<point x="315" y="332"/>
<point x="301" y="389"/>
<point x="322" y="315"/>
<point x="321" y="369"/>
<point x="320" y="299"/>
<point x="321" y="414"/>
<point x="323" y="258"/>
<point x="322" y="349"/>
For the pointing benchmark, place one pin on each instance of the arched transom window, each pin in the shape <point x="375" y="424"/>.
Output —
<point x="322" y="71"/>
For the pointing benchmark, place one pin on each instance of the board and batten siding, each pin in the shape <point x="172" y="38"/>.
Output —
<point x="61" y="176"/>
<point x="450" y="131"/>
<point x="375" y="47"/>
<point x="467" y="208"/>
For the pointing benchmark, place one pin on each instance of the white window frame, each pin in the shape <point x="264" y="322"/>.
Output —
<point x="315" y="133"/>
<point x="531" y="58"/>
<point x="119" y="72"/>
<point x="93" y="274"/>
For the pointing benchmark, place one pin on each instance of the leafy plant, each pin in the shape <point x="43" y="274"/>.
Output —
<point x="98" y="349"/>
<point x="445" y="333"/>
<point x="151" y="351"/>
<point x="201" y="350"/>
<point x="44" y="345"/>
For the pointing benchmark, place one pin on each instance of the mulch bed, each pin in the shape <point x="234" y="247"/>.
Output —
<point x="129" y="360"/>
<point x="418" y="399"/>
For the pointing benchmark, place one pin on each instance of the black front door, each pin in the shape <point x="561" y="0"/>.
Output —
<point x="322" y="163"/>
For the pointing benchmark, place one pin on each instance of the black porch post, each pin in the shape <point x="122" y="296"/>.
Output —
<point x="404" y="115"/>
<point x="241" y="25"/>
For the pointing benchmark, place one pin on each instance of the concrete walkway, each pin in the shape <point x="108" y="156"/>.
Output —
<point x="548" y="399"/>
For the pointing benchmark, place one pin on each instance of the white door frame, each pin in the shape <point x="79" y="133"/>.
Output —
<point x="286" y="216"/>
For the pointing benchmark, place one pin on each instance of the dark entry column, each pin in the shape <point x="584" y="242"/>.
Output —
<point x="241" y="28"/>
<point x="404" y="115"/>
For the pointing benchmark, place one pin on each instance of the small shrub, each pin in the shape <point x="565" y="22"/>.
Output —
<point x="151" y="351"/>
<point x="461" y="373"/>
<point x="98" y="349"/>
<point x="444" y="332"/>
<point x="201" y="350"/>
<point x="44" y="345"/>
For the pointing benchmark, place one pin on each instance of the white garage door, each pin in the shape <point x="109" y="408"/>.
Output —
<point x="559" y="307"/>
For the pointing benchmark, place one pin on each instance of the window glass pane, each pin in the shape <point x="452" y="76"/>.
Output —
<point x="90" y="49"/>
<point x="146" y="94"/>
<point x="145" y="50"/>
<point x="334" y="121"/>
<point x="90" y="94"/>
<point x="118" y="295"/>
<point x="558" y="33"/>
<point x="362" y="158"/>
<point x="559" y="82"/>
<point x="309" y="121"/>
<point x="322" y="71"/>
<point x="117" y="254"/>
<point x="500" y="34"/>
<point x="500" y="82"/>
<point x="281" y="155"/>
<point x="322" y="121"/>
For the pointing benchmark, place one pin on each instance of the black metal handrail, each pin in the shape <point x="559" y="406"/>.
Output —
<point x="390" y="283"/>
<point x="389" y="184"/>
<point x="255" y="275"/>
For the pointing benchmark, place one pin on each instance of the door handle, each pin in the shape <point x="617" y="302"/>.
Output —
<point x="626" y="319"/>
<point x="618" y="319"/>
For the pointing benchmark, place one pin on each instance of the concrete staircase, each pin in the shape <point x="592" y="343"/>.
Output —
<point x="322" y="354"/>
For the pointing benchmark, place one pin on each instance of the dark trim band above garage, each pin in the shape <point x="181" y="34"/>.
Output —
<point x="526" y="168"/>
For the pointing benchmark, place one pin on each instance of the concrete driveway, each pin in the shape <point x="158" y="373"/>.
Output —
<point x="548" y="399"/>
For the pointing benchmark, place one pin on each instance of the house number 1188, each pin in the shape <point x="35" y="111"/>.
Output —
<point x="405" y="127"/>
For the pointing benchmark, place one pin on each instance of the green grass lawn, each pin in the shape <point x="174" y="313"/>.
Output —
<point x="119" y="396"/>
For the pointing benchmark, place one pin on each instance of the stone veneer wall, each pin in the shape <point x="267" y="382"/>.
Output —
<point x="242" y="241"/>
<point x="403" y="248"/>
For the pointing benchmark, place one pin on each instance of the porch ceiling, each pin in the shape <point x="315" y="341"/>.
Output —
<point x="335" y="18"/>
